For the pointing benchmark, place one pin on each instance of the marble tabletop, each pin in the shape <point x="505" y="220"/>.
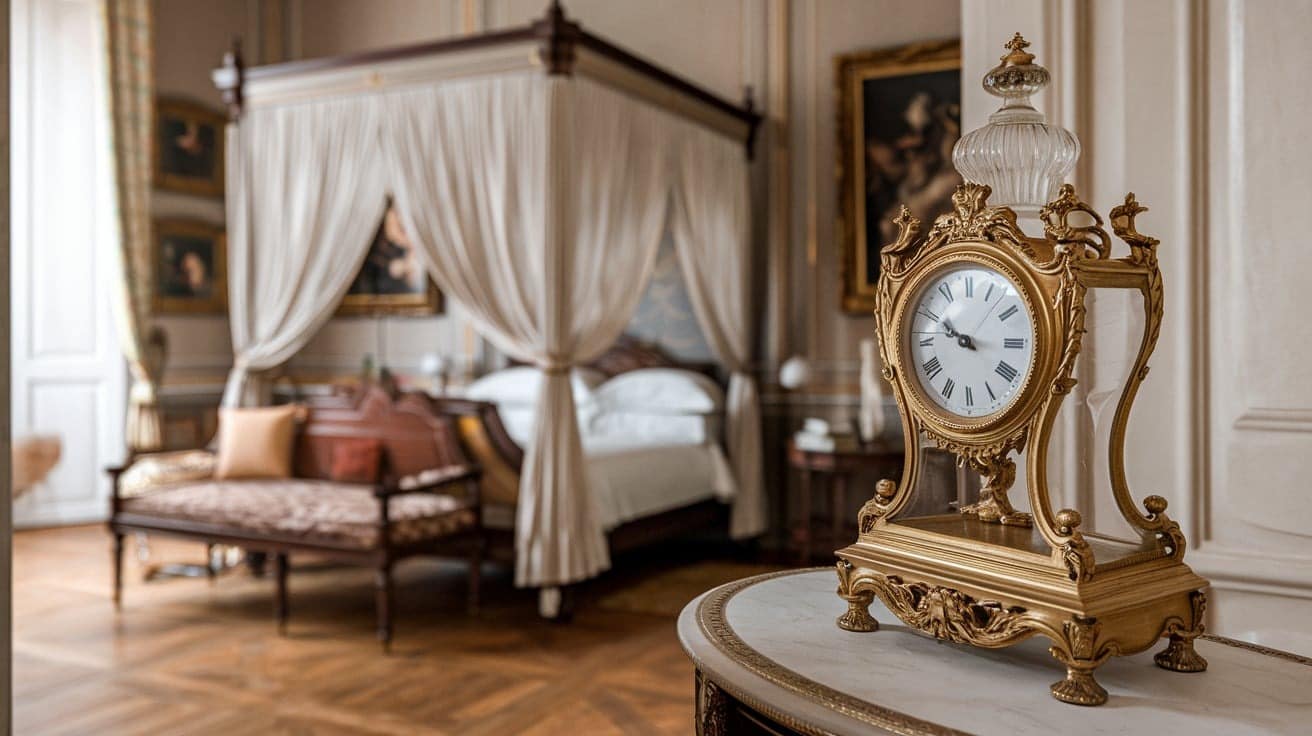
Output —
<point x="771" y="642"/>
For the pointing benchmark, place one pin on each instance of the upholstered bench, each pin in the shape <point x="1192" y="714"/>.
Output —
<point x="426" y="501"/>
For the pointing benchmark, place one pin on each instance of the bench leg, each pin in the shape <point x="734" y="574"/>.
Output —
<point x="211" y="567"/>
<point x="476" y="573"/>
<point x="118" y="571"/>
<point x="255" y="562"/>
<point x="383" y="603"/>
<point x="280" y="598"/>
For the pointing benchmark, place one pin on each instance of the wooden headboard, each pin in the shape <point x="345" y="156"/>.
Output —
<point x="630" y="354"/>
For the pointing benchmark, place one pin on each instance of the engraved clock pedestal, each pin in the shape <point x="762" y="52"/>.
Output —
<point x="979" y="329"/>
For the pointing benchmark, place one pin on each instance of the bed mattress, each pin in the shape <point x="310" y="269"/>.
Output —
<point x="631" y="481"/>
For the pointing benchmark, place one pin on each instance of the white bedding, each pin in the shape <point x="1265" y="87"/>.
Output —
<point x="633" y="481"/>
<point x="643" y="459"/>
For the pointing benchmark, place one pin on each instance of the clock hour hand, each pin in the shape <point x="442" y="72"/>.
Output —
<point x="962" y="340"/>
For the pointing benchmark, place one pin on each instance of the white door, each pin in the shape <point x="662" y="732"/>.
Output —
<point x="69" y="378"/>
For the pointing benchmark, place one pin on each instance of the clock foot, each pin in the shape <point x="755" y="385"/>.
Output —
<point x="858" y="618"/>
<point x="1179" y="656"/>
<point x="1079" y="688"/>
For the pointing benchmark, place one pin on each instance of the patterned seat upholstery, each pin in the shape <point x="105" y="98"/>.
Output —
<point x="311" y="511"/>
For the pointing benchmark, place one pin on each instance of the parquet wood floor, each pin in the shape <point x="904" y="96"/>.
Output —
<point x="187" y="656"/>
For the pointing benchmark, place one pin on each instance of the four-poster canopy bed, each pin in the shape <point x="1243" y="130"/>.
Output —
<point x="536" y="171"/>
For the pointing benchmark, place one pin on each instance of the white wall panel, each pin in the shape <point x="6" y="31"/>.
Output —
<point x="68" y="378"/>
<point x="1257" y="513"/>
<point x="1200" y="108"/>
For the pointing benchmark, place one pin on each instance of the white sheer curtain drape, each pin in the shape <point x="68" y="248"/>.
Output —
<point x="305" y="192"/>
<point x="538" y="204"/>
<point x="711" y="222"/>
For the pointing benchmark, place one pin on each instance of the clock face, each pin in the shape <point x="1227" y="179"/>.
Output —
<point x="971" y="340"/>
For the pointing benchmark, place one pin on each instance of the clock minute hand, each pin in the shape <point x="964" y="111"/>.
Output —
<point x="986" y="314"/>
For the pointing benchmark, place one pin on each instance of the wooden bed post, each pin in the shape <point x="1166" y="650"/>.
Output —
<point x="749" y="104"/>
<point x="474" y="495"/>
<point x="558" y="36"/>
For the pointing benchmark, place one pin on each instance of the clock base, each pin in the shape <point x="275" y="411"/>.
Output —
<point x="998" y="592"/>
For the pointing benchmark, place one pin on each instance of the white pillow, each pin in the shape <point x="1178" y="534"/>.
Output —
<point x="660" y="391"/>
<point x="519" y="386"/>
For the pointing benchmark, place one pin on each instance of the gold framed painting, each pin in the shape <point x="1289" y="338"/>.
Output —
<point x="191" y="267"/>
<point x="188" y="148"/>
<point x="899" y="115"/>
<point x="392" y="281"/>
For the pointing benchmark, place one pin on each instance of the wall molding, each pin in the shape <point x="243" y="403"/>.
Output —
<point x="779" y="202"/>
<point x="1275" y="420"/>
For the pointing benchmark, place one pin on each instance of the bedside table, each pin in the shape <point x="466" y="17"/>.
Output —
<point x="835" y="468"/>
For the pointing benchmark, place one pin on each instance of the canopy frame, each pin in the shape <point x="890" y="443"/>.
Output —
<point x="554" y="43"/>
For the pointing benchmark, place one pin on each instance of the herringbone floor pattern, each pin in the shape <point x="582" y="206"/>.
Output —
<point x="189" y="657"/>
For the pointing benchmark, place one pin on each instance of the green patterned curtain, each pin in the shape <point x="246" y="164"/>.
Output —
<point x="128" y="35"/>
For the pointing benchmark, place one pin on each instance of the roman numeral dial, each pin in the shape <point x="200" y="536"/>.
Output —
<point x="968" y="340"/>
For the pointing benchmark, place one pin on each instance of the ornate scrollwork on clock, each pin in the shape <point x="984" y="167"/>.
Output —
<point x="942" y="612"/>
<point x="1069" y="307"/>
<point x="1088" y="240"/>
<point x="1143" y="249"/>
<point x="1076" y="553"/>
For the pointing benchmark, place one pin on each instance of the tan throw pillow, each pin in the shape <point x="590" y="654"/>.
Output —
<point x="256" y="443"/>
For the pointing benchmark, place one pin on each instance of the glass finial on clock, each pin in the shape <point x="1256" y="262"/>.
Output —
<point x="1018" y="154"/>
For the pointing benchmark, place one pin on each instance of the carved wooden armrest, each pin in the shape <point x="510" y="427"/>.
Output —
<point x="438" y="480"/>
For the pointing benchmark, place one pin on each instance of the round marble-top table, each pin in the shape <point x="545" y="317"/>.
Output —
<point x="770" y="659"/>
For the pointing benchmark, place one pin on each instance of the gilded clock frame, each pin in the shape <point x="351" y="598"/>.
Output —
<point x="987" y="255"/>
<point x="969" y="587"/>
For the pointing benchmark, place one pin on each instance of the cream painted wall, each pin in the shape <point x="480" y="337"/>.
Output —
<point x="330" y="27"/>
<point x="1200" y="109"/>
<point x="190" y="38"/>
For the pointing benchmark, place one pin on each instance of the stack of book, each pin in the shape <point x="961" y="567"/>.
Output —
<point x="817" y="436"/>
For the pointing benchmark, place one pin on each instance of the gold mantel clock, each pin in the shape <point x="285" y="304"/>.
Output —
<point x="979" y="328"/>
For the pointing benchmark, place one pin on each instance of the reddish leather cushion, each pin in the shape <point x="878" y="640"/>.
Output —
<point x="356" y="460"/>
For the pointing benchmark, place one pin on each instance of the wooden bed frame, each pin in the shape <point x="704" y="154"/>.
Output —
<point x="553" y="45"/>
<point x="490" y="446"/>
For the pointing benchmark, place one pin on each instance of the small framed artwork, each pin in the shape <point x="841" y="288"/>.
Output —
<point x="392" y="280"/>
<point x="899" y="115"/>
<point x="191" y="267"/>
<point x="188" y="148"/>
